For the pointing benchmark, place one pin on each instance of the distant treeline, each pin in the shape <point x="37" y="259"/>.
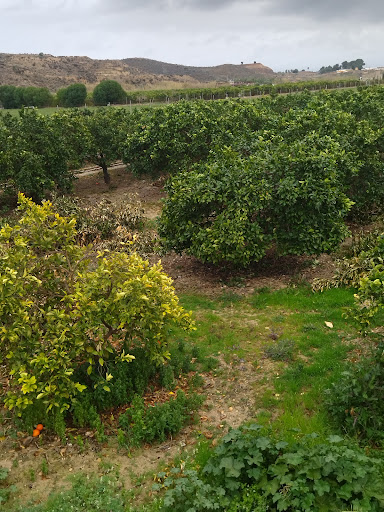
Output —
<point x="353" y="64"/>
<point x="17" y="97"/>
<point x="109" y="92"/>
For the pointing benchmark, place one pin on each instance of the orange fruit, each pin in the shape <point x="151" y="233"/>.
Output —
<point x="36" y="433"/>
<point x="40" y="427"/>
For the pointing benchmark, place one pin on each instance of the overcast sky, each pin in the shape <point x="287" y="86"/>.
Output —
<point x="281" y="34"/>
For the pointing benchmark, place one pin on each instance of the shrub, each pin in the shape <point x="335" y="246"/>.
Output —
<point x="281" y="350"/>
<point x="147" y="424"/>
<point x="297" y="476"/>
<point x="72" y="96"/>
<point x="108" y="91"/>
<point x="62" y="307"/>
<point x="355" y="400"/>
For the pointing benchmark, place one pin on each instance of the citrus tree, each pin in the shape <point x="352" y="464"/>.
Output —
<point x="106" y="133"/>
<point x="34" y="154"/>
<point x="231" y="208"/>
<point x="62" y="306"/>
<point x="369" y="300"/>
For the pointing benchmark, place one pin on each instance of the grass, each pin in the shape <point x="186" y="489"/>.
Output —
<point x="246" y="327"/>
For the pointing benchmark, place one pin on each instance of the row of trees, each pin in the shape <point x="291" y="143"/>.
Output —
<point x="17" y="97"/>
<point x="111" y="92"/>
<point x="75" y="95"/>
<point x="38" y="153"/>
<point x="353" y="64"/>
<point x="283" y="171"/>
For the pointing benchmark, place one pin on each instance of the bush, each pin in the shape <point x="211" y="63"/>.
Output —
<point x="61" y="306"/>
<point x="355" y="401"/>
<point x="299" y="476"/>
<point x="155" y="423"/>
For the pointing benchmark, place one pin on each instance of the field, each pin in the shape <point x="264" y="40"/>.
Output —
<point x="266" y="349"/>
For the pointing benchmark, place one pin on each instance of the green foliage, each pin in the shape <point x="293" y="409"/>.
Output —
<point x="249" y="500"/>
<point x="355" y="401"/>
<point x="216" y="211"/>
<point x="170" y="139"/>
<point x="231" y="208"/>
<point x="34" y="156"/>
<point x="18" y="97"/>
<point x="5" y="489"/>
<point x="59" y="308"/>
<point x="280" y="350"/>
<point x="128" y="381"/>
<point x="155" y="423"/>
<point x="296" y="476"/>
<point x="370" y="297"/>
<point x="72" y="96"/>
<point x="108" y="91"/>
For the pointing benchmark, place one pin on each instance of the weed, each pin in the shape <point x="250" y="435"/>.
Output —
<point x="5" y="489"/>
<point x="80" y="443"/>
<point x="44" y="468"/>
<point x="355" y="399"/>
<point x="208" y="364"/>
<point x="147" y="424"/>
<point x="87" y="493"/>
<point x="251" y="470"/>
<point x="280" y="350"/>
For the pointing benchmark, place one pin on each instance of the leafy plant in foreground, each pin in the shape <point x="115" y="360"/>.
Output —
<point x="299" y="476"/>
<point x="59" y="309"/>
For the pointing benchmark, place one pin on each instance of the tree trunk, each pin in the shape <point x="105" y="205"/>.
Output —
<point x="106" y="175"/>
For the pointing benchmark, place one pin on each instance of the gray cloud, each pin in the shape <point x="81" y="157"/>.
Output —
<point x="326" y="10"/>
<point x="279" y="33"/>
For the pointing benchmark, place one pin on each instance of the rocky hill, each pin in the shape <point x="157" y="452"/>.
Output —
<point x="55" y="72"/>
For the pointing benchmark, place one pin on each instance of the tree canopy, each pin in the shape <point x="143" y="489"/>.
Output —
<point x="108" y="91"/>
<point x="72" y="96"/>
